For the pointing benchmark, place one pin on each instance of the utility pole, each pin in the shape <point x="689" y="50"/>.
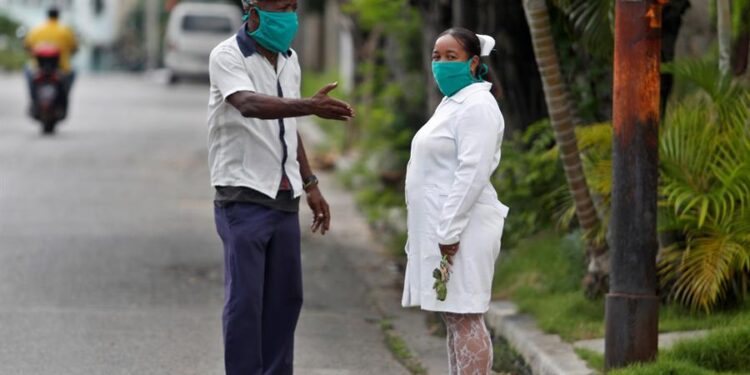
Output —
<point x="152" y="9"/>
<point x="632" y="305"/>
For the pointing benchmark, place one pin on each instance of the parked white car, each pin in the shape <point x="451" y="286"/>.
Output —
<point x="193" y="30"/>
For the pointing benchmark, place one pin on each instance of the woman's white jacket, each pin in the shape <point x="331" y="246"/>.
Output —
<point x="450" y="199"/>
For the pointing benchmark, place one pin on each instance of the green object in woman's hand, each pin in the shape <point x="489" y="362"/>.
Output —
<point x="441" y="276"/>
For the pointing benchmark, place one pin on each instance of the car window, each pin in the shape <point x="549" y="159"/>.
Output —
<point x="207" y="24"/>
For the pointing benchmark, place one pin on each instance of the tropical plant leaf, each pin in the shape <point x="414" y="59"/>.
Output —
<point x="705" y="189"/>
<point x="712" y="258"/>
<point x="594" y="21"/>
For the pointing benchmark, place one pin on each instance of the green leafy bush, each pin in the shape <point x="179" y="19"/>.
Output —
<point x="527" y="181"/>
<point x="595" y="146"/>
<point x="704" y="200"/>
<point x="12" y="55"/>
<point x="389" y="109"/>
<point x="8" y="26"/>
<point x="705" y="185"/>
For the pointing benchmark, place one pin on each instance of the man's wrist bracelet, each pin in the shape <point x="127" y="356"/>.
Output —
<point x="310" y="182"/>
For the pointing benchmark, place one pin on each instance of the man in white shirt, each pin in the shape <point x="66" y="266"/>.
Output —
<point x="259" y="169"/>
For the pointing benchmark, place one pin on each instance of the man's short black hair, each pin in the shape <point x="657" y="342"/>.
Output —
<point x="53" y="13"/>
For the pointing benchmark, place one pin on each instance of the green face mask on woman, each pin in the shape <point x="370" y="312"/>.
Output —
<point x="452" y="76"/>
<point x="276" y="30"/>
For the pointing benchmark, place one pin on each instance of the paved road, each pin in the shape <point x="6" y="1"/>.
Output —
<point x="109" y="263"/>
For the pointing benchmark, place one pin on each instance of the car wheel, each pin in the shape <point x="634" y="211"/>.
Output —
<point x="173" y="78"/>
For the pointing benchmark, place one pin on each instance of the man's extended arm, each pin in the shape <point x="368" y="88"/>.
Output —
<point x="267" y="107"/>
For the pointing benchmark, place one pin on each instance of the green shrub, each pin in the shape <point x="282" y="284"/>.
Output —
<point x="12" y="56"/>
<point x="527" y="181"/>
<point x="389" y="110"/>
<point x="595" y="147"/>
<point x="705" y="190"/>
<point x="8" y="26"/>
<point x="704" y="200"/>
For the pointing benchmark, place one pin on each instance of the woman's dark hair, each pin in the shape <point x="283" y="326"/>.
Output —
<point x="466" y="38"/>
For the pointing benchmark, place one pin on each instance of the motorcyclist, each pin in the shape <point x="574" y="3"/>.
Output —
<point x="53" y="33"/>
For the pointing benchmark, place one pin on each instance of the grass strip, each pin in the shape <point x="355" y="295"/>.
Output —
<point x="594" y="359"/>
<point x="725" y="351"/>
<point x="400" y="350"/>
<point x="543" y="274"/>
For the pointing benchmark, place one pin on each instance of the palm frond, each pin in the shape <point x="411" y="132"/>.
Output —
<point x="705" y="74"/>
<point x="594" y="21"/>
<point x="712" y="258"/>
<point x="705" y="189"/>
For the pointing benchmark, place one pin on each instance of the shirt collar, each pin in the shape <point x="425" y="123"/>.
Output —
<point x="248" y="45"/>
<point x="465" y="92"/>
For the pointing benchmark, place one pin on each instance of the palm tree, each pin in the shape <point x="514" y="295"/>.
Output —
<point x="557" y="99"/>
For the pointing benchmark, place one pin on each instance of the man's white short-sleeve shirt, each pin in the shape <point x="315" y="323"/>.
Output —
<point x="243" y="151"/>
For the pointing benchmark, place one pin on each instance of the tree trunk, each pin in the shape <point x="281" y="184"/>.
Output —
<point x="724" y="26"/>
<point x="742" y="45"/>
<point x="555" y="91"/>
<point x="671" y="25"/>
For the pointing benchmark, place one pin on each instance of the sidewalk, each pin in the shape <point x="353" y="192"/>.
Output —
<point x="374" y="266"/>
<point x="339" y="329"/>
<point x="381" y="278"/>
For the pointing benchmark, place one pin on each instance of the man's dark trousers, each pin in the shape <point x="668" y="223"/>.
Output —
<point x="263" y="287"/>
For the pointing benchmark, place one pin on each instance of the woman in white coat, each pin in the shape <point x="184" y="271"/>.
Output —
<point x="453" y="209"/>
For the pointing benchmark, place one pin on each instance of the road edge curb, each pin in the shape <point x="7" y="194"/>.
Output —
<point x="546" y="354"/>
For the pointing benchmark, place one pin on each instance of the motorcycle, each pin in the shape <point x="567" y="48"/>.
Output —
<point x="49" y="105"/>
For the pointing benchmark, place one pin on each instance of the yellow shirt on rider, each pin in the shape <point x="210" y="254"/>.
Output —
<point x="54" y="33"/>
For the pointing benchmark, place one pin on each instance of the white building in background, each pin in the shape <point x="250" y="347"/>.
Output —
<point x="97" y="23"/>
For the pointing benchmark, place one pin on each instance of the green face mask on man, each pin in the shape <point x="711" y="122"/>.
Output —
<point x="276" y="30"/>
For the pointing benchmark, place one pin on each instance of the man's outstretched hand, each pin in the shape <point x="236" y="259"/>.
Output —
<point x="329" y="108"/>
<point x="321" y="212"/>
